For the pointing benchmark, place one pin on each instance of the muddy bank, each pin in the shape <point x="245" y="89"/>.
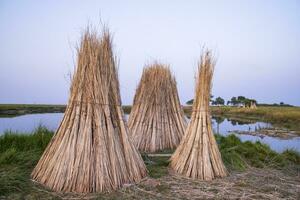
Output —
<point x="271" y="132"/>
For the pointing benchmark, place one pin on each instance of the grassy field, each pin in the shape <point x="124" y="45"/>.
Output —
<point x="11" y="110"/>
<point x="287" y="117"/>
<point x="19" y="153"/>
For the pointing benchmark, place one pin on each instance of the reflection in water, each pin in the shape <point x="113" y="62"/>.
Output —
<point x="218" y="121"/>
<point x="277" y="144"/>
<point x="221" y="125"/>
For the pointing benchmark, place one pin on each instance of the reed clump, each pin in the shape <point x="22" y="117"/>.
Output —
<point x="91" y="150"/>
<point x="156" y="121"/>
<point x="198" y="155"/>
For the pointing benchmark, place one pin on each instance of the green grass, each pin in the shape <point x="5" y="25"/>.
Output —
<point x="19" y="154"/>
<point x="38" y="140"/>
<point x="287" y="117"/>
<point x="238" y="155"/>
<point x="157" y="166"/>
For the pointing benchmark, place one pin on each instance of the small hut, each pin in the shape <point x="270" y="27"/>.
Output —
<point x="157" y="120"/>
<point x="198" y="155"/>
<point x="91" y="150"/>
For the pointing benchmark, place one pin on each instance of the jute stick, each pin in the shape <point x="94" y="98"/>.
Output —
<point x="198" y="155"/>
<point x="156" y="121"/>
<point x="91" y="150"/>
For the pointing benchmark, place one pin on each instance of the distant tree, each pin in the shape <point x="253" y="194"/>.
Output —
<point x="219" y="101"/>
<point x="234" y="101"/>
<point x="247" y="102"/>
<point x="241" y="99"/>
<point x="281" y="103"/>
<point x="219" y="120"/>
<point x="190" y="102"/>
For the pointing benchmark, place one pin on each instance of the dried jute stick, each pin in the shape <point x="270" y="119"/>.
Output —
<point x="156" y="120"/>
<point x="198" y="155"/>
<point x="91" y="150"/>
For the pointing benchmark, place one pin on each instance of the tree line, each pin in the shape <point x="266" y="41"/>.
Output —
<point x="237" y="101"/>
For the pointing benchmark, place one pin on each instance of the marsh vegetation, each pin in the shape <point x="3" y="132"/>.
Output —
<point x="255" y="169"/>
<point x="19" y="153"/>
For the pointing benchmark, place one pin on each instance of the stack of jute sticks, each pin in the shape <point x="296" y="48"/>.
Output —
<point x="91" y="150"/>
<point x="157" y="121"/>
<point x="198" y="155"/>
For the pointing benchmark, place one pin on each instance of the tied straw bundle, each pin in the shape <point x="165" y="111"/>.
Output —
<point x="91" y="151"/>
<point x="157" y="120"/>
<point x="198" y="155"/>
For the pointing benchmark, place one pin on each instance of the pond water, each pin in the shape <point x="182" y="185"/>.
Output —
<point x="226" y="127"/>
<point x="27" y="123"/>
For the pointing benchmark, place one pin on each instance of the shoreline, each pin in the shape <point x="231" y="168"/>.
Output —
<point x="279" y="117"/>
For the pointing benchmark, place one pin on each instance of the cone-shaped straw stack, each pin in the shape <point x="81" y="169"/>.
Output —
<point x="198" y="155"/>
<point x="156" y="121"/>
<point x="91" y="150"/>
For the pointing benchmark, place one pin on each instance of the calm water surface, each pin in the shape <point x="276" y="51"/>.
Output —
<point x="27" y="123"/>
<point x="226" y="127"/>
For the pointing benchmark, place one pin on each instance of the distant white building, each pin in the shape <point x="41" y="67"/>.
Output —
<point x="240" y="105"/>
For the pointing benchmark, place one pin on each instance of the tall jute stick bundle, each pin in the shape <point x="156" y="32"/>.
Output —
<point x="157" y="120"/>
<point x="198" y="155"/>
<point x="91" y="150"/>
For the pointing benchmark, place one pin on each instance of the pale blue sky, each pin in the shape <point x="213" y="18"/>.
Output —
<point x="257" y="43"/>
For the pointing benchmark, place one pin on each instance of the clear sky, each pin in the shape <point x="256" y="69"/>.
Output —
<point x="257" y="44"/>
